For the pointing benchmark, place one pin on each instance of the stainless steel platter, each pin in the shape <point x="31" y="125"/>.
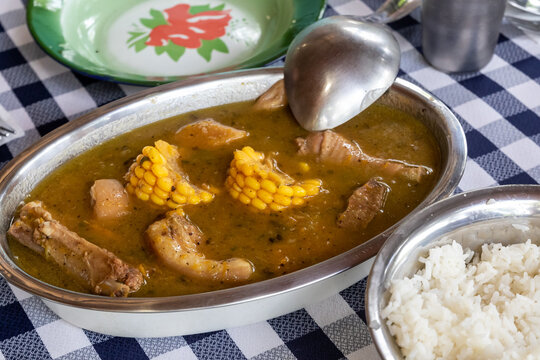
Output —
<point x="177" y="315"/>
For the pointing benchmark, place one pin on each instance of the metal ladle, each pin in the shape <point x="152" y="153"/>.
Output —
<point x="336" y="68"/>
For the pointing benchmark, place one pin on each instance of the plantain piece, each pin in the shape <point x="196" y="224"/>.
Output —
<point x="254" y="181"/>
<point x="155" y="176"/>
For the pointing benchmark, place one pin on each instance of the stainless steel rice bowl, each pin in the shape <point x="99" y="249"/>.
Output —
<point x="180" y="315"/>
<point x="504" y="214"/>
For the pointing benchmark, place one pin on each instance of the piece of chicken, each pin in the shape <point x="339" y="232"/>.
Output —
<point x="365" y="202"/>
<point x="274" y="98"/>
<point x="99" y="269"/>
<point x="109" y="199"/>
<point x="332" y="147"/>
<point x="175" y="240"/>
<point x="207" y="134"/>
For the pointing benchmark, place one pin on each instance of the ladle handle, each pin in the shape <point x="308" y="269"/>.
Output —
<point x="391" y="10"/>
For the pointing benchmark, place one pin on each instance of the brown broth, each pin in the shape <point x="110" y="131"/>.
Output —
<point x="276" y="243"/>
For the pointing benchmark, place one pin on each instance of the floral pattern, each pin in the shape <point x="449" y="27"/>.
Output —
<point x="183" y="27"/>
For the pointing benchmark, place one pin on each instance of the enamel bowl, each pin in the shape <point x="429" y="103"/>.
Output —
<point x="180" y="315"/>
<point x="150" y="42"/>
<point x="503" y="214"/>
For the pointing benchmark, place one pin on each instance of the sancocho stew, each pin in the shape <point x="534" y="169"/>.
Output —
<point x="221" y="197"/>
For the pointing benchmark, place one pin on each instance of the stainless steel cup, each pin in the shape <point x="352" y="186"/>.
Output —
<point x="460" y="35"/>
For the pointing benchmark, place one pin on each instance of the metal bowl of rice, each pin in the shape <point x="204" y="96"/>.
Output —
<point x="461" y="279"/>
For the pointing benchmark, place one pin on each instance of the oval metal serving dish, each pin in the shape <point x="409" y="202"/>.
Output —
<point x="504" y="214"/>
<point x="177" y="315"/>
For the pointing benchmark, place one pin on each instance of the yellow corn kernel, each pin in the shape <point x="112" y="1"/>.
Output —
<point x="150" y="178"/>
<point x="206" y="196"/>
<point x="316" y="182"/>
<point x="194" y="200"/>
<point x="133" y="180"/>
<point x="268" y="186"/>
<point x="139" y="158"/>
<point x="240" y="157"/>
<point x="233" y="171"/>
<point x="297" y="201"/>
<point x="234" y="193"/>
<point x="282" y="199"/>
<point x="304" y="166"/>
<point x="145" y="187"/>
<point x="184" y="188"/>
<point x="258" y="204"/>
<point x="298" y="191"/>
<point x="274" y="177"/>
<point x="213" y="190"/>
<point x="139" y="172"/>
<point x="157" y="200"/>
<point x="147" y="165"/>
<point x="265" y="196"/>
<point x="180" y="199"/>
<point x="153" y="154"/>
<point x="180" y="211"/>
<point x="160" y="170"/>
<point x="236" y="187"/>
<point x="276" y="207"/>
<point x="311" y="190"/>
<point x="172" y="204"/>
<point x="230" y="181"/>
<point x="252" y="183"/>
<point x="130" y="189"/>
<point x="285" y="190"/>
<point x="141" y="195"/>
<point x="262" y="173"/>
<point x="247" y="169"/>
<point x="251" y="153"/>
<point x="244" y="199"/>
<point x="250" y="193"/>
<point x="160" y="193"/>
<point x="164" y="183"/>
<point x="240" y="180"/>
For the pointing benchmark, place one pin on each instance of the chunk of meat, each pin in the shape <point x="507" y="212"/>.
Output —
<point x="365" y="202"/>
<point x="274" y="98"/>
<point x="175" y="241"/>
<point x="207" y="134"/>
<point x="109" y="199"/>
<point x="97" y="268"/>
<point x="332" y="147"/>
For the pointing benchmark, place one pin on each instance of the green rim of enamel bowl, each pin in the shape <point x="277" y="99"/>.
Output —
<point x="283" y="20"/>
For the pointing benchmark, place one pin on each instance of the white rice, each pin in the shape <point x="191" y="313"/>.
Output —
<point x="463" y="305"/>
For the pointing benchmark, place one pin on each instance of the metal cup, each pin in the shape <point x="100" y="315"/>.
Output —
<point x="460" y="35"/>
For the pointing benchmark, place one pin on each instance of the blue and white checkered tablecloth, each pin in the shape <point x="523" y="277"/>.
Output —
<point x="499" y="108"/>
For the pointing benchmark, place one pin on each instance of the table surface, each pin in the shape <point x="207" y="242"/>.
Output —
<point x="498" y="107"/>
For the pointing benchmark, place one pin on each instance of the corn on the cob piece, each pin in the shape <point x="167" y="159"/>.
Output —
<point x="256" y="182"/>
<point x="156" y="176"/>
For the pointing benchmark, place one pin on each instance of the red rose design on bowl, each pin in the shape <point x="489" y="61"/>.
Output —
<point x="187" y="30"/>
